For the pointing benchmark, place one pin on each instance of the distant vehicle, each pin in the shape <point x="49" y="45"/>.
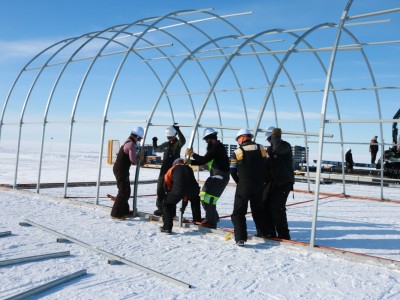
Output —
<point x="391" y="162"/>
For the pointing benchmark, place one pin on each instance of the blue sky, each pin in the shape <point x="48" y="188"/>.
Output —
<point x="27" y="27"/>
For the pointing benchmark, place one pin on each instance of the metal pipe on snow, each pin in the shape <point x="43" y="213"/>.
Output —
<point x="108" y="254"/>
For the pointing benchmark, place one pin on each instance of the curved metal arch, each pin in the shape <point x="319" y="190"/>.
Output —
<point x="116" y="76"/>
<point x="278" y="71"/>
<point x="201" y="67"/>
<point x="263" y="71"/>
<point x="159" y="80"/>
<point x="70" y="41"/>
<point x="322" y="122"/>
<point x="172" y="64"/>
<point x="218" y="76"/>
<point x="334" y="96"/>
<point x="378" y="102"/>
<point x="17" y="79"/>
<point x="50" y="98"/>
<point x="297" y="100"/>
<point x="79" y="93"/>
<point x="83" y="81"/>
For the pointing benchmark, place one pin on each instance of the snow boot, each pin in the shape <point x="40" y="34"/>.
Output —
<point x="166" y="231"/>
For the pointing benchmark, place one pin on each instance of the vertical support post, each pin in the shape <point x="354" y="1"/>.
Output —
<point x="322" y="121"/>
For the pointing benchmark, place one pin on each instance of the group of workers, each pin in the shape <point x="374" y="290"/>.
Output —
<point x="264" y="177"/>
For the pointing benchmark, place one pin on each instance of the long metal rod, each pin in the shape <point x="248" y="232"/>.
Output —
<point x="355" y="143"/>
<point x="376" y="13"/>
<point x="19" y="260"/>
<point x="108" y="254"/>
<point x="167" y="124"/>
<point x="209" y="50"/>
<point x="81" y="122"/>
<point x="47" y="286"/>
<point x="363" y="121"/>
<point x="324" y="27"/>
<point x="321" y="49"/>
<point x="352" y="89"/>
<point x="233" y="90"/>
<point x="284" y="51"/>
<point x="102" y="55"/>
<point x="197" y="21"/>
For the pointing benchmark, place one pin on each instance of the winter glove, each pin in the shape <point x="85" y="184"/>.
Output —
<point x="189" y="152"/>
<point x="176" y="127"/>
<point x="275" y="144"/>
<point x="186" y="161"/>
<point x="275" y="139"/>
<point x="155" y="139"/>
<point x="141" y="155"/>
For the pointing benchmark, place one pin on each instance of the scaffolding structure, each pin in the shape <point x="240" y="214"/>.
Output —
<point x="195" y="66"/>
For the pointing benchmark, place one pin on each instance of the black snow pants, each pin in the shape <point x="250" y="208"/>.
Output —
<point x="275" y="208"/>
<point x="244" y="194"/>
<point x="121" y="205"/>
<point x="169" y="208"/>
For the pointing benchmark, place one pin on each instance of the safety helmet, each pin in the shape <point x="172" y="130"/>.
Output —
<point x="170" y="131"/>
<point x="209" y="131"/>
<point x="243" y="131"/>
<point x="177" y="161"/>
<point x="138" y="131"/>
<point x="268" y="134"/>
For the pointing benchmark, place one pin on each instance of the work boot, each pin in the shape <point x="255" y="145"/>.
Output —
<point x="240" y="243"/>
<point x="158" y="212"/>
<point x="166" y="231"/>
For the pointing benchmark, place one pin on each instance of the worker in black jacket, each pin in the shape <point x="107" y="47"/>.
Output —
<point x="247" y="169"/>
<point x="180" y="184"/>
<point x="279" y="183"/>
<point x="217" y="161"/>
<point x="374" y="148"/>
<point x="349" y="161"/>
<point x="172" y="151"/>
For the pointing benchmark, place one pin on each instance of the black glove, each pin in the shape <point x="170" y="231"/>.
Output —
<point x="275" y="142"/>
<point x="176" y="127"/>
<point x="155" y="139"/>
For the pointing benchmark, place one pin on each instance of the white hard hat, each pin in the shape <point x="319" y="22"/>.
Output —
<point x="209" y="131"/>
<point x="348" y="149"/>
<point x="170" y="131"/>
<point x="138" y="131"/>
<point x="268" y="134"/>
<point x="243" y="131"/>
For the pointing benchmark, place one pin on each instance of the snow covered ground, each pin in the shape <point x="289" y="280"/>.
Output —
<point x="215" y="268"/>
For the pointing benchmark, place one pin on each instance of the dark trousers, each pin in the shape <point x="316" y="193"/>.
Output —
<point x="160" y="191"/>
<point x="169" y="208"/>
<point x="275" y="211"/>
<point x="244" y="193"/>
<point x="373" y="157"/>
<point x="211" y="191"/>
<point x="121" y="205"/>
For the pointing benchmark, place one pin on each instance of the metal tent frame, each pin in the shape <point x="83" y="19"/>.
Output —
<point x="181" y="52"/>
